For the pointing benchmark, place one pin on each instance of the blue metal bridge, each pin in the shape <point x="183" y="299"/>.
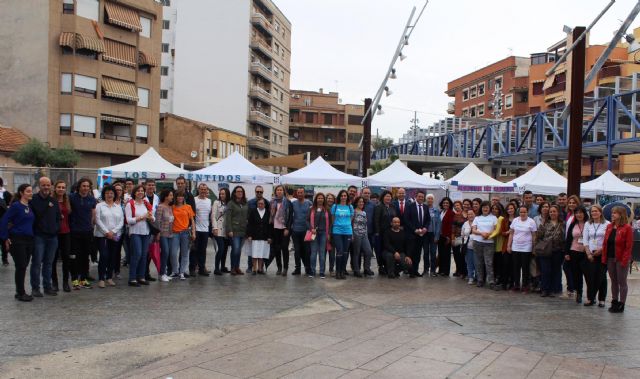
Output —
<point x="610" y="127"/>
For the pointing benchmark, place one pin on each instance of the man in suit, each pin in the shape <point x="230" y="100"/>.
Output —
<point x="433" y="234"/>
<point x="416" y="226"/>
<point x="400" y="204"/>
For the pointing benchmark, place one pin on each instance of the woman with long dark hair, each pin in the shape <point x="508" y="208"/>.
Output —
<point x="184" y="232"/>
<point x="236" y="224"/>
<point x="281" y="217"/>
<point x="360" y="243"/>
<point x="138" y="213"/>
<point x="596" y="271"/>
<point x="552" y="231"/>
<point x="331" y="250"/>
<point x="459" y="218"/>
<point x="109" y="224"/>
<point x="64" y="238"/>
<point x="522" y="235"/>
<point x="342" y="216"/>
<point x="446" y="236"/>
<point x="616" y="252"/>
<point x="16" y="230"/>
<point x="164" y="223"/>
<point x="219" y="231"/>
<point x="575" y="250"/>
<point x="383" y="214"/>
<point x="319" y="225"/>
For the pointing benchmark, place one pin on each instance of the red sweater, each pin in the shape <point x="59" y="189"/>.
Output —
<point x="446" y="230"/>
<point x="624" y="243"/>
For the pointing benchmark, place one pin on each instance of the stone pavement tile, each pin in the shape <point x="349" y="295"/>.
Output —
<point x="316" y="372"/>
<point x="579" y="368"/>
<point x="444" y="354"/>
<point x="465" y="343"/>
<point x="386" y="359"/>
<point x="310" y="340"/>
<point x="372" y="299"/>
<point x="295" y="365"/>
<point x="403" y="333"/>
<point x="611" y="372"/>
<point x="348" y="327"/>
<point x="263" y="358"/>
<point x="415" y="367"/>
<point x="546" y="367"/>
<point x="475" y="366"/>
<point x="356" y="374"/>
<point x="497" y="347"/>
<point x="513" y="363"/>
<point x="197" y="373"/>
<point x="358" y="355"/>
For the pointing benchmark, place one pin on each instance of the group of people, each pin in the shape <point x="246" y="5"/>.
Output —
<point x="515" y="246"/>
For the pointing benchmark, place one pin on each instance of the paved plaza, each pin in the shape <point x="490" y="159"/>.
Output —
<point x="298" y="327"/>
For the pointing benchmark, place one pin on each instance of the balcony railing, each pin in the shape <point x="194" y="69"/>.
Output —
<point x="451" y="107"/>
<point x="258" y="19"/>
<point x="609" y="71"/>
<point x="260" y="93"/>
<point x="258" y="142"/>
<point x="260" y="118"/>
<point x="114" y="137"/>
<point x="262" y="46"/>
<point x="260" y="69"/>
<point x="559" y="87"/>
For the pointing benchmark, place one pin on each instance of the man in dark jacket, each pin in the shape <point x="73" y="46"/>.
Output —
<point x="45" y="227"/>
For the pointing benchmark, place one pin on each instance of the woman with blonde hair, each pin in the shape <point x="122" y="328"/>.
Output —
<point x="593" y="239"/>
<point x="616" y="253"/>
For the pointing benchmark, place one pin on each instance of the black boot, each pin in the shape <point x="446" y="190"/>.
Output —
<point x="619" y="308"/>
<point x="614" y="306"/>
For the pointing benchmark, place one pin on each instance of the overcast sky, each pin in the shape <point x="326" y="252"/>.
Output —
<point x="346" y="45"/>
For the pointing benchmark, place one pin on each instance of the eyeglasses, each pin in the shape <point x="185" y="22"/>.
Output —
<point x="259" y="191"/>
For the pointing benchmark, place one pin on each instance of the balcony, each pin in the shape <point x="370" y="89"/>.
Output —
<point x="609" y="71"/>
<point x="451" y="107"/>
<point x="260" y="21"/>
<point x="559" y="87"/>
<point x="259" y="118"/>
<point x="258" y="68"/>
<point x="262" y="47"/>
<point x="258" y="142"/>
<point x="260" y="93"/>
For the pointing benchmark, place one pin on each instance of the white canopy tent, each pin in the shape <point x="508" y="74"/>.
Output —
<point x="398" y="174"/>
<point x="542" y="180"/>
<point x="608" y="184"/>
<point x="319" y="172"/>
<point x="234" y="168"/>
<point x="149" y="165"/>
<point x="472" y="179"/>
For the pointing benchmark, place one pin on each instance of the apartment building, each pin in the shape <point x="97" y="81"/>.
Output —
<point x="241" y="83"/>
<point x="83" y="72"/>
<point x="321" y="125"/>
<point x="473" y="93"/>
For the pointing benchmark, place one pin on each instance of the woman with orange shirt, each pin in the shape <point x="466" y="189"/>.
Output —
<point x="184" y="231"/>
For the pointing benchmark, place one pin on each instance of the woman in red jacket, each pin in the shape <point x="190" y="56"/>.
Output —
<point x="616" y="254"/>
<point x="446" y="235"/>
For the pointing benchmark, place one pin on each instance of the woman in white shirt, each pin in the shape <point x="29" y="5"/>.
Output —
<point x="467" y="246"/>
<point x="219" y="231"/>
<point x="483" y="246"/>
<point x="593" y="239"/>
<point x="108" y="231"/>
<point x="137" y="212"/>
<point x="520" y="245"/>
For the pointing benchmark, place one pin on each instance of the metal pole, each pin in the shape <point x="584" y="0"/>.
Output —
<point x="366" y="137"/>
<point x="577" y="109"/>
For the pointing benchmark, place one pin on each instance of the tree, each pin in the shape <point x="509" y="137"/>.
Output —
<point x="379" y="143"/>
<point x="378" y="166"/>
<point x="38" y="154"/>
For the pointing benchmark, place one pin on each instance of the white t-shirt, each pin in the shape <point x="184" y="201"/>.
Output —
<point x="522" y="238"/>
<point x="203" y="210"/>
<point x="485" y="224"/>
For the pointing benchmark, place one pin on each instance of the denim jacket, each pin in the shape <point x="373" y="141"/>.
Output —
<point x="436" y="223"/>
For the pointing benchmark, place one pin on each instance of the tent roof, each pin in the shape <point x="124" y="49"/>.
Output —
<point x="398" y="174"/>
<point x="541" y="179"/>
<point x="319" y="172"/>
<point x="150" y="163"/>
<point x="236" y="165"/>
<point x="608" y="184"/>
<point x="473" y="176"/>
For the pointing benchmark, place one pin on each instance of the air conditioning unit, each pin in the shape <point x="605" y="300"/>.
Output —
<point x="258" y="104"/>
<point x="295" y="96"/>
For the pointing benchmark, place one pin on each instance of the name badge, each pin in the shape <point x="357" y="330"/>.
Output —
<point x="50" y="204"/>
<point x="580" y="240"/>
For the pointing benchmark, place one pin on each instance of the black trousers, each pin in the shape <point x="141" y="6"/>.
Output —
<point x="81" y="247"/>
<point x="21" y="250"/>
<point x="5" y="252"/>
<point x="506" y="270"/>
<point x="63" y="252"/>
<point x="521" y="263"/>
<point x="395" y="267"/>
<point x="280" y="249"/>
<point x="596" y="279"/>
<point x="578" y="269"/>
<point x="459" y="259"/>
<point x="301" y="250"/>
<point x="198" y="254"/>
<point x="444" y="256"/>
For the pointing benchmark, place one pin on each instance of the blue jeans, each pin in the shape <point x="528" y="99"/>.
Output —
<point x="318" y="251"/>
<point x="236" y="251"/>
<point x="43" y="254"/>
<point x="469" y="258"/>
<point x="557" y="260"/>
<point x="430" y="250"/>
<point x="180" y="248"/>
<point x="165" y="250"/>
<point x="138" y="250"/>
<point x="341" y="243"/>
<point x="108" y="251"/>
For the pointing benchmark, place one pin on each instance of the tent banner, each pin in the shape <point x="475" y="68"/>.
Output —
<point x="213" y="178"/>
<point x="500" y="189"/>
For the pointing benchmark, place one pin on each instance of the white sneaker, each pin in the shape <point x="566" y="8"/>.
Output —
<point x="470" y="282"/>
<point x="182" y="277"/>
<point x="164" y="278"/>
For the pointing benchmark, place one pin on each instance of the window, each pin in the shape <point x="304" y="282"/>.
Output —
<point x="65" y="124"/>
<point x="498" y="82"/>
<point x="143" y="96"/>
<point x="328" y="119"/>
<point x="164" y="70"/>
<point x="67" y="7"/>
<point x="88" y="9"/>
<point x="142" y="133"/>
<point x="537" y="88"/>
<point x="307" y="102"/>
<point x="473" y="112"/>
<point x="165" y="24"/>
<point x="279" y="140"/>
<point x="84" y="126"/>
<point x="480" y="110"/>
<point x="276" y="71"/>
<point x="275" y="138"/>
<point x="354" y="137"/>
<point x="281" y="118"/>
<point x="481" y="89"/>
<point x="146" y="27"/>
<point x="508" y="101"/>
<point x="166" y="3"/>
<point x="165" y="47"/>
<point x="223" y="152"/>
<point x="281" y="96"/>
<point x="276" y="26"/>
<point x="65" y="84"/>
<point x="504" y="172"/>
<point x="164" y="94"/>
<point x="465" y="112"/>
<point x="85" y="85"/>
<point x="308" y="117"/>
<point x="274" y="115"/>
<point x="473" y="92"/>
<point x="465" y="94"/>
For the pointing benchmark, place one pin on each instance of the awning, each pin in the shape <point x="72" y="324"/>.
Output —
<point x="548" y="83"/>
<point x="89" y="43"/>
<point x="538" y="81"/>
<point x="119" y="89"/>
<point x="67" y="39"/>
<point x="118" y="120"/>
<point x="291" y="161"/>
<point x="145" y="59"/>
<point x="123" y="16"/>
<point x="119" y="53"/>
<point x="562" y="67"/>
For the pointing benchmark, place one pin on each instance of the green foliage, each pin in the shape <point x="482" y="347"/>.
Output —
<point x="38" y="154"/>
<point x="381" y="165"/>
<point x="381" y="143"/>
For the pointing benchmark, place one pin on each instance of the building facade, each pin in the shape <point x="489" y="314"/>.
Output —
<point x="321" y="125"/>
<point x="241" y="85"/>
<point x="84" y="73"/>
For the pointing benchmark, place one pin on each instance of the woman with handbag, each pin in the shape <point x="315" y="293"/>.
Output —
<point x="281" y="217"/>
<point x="616" y="253"/>
<point x="259" y="235"/>
<point x="183" y="216"/>
<point x="459" y="218"/>
<point x="596" y="271"/>
<point x="522" y="233"/>
<point x="108" y="231"/>
<point x="138" y="213"/>
<point x="550" y="251"/>
<point x="331" y="250"/>
<point x="318" y="234"/>
<point x="236" y="224"/>
<point x="467" y="247"/>
<point x="219" y="231"/>
<point x="575" y="250"/>
<point x="360" y="244"/>
<point x="506" y="268"/>
<point x="164" y="222"/>
<point x="342" y="231"/>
